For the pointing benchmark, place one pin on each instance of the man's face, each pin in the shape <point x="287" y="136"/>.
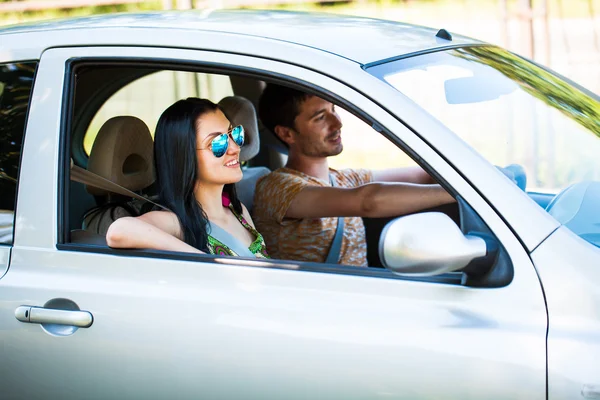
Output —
<point x="318" y="129"/>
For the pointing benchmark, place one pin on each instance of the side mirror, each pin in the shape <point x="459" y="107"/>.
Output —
<point x="427" y="244"/>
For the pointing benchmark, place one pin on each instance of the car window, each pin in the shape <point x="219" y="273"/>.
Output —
<point x="16" y="81"/>
<point x="147" y="97"/>
<point x="508" y="109"/>
<point x="364" y="147"/>
<point x="92" y="209"/>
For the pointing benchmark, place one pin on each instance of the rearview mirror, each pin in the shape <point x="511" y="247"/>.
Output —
<point x="477" y="88"/>
<point x="427" y="244"/>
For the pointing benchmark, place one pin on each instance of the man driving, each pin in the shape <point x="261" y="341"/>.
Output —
<point x="299" y="208"/>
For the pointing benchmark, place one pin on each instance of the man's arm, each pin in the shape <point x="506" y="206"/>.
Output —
<point x="408" y="175"/>
<point x="370" y="200"/>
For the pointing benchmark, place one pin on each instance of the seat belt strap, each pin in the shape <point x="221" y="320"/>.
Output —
<point x="229" y="240"/>
<point x="336" y="245"/>
<point x="86" y="177"/>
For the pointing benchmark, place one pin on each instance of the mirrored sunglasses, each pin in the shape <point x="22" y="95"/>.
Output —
<point x="220" y="143"/>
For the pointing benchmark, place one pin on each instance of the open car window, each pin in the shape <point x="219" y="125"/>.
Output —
<point x="148" y="96"/>
<point x="366" y="148"/>
<point x="137" y="99"/>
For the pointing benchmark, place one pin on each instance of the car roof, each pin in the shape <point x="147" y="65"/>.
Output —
<point x="363" y="40"/>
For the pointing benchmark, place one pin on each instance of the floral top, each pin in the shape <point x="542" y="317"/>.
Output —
<point x="258" y="247"/>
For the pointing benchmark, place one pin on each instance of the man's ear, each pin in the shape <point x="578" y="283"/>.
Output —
<point x="285" y="134"/>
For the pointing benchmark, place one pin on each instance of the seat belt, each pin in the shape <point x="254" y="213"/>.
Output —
<point x="232" y="242"/>
<point x="86" y="177"/>
<point x="336" y="245"/>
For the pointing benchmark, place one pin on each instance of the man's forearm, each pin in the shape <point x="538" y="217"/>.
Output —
<point x="407" y="175"/>
<point x="391" y="199"/>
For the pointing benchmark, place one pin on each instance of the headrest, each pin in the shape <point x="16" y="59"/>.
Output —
<point x="123" y="154"/>
<point x="240" y="111"/>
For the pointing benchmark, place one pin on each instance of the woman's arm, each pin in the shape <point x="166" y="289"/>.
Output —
<point x="158" y="230"/>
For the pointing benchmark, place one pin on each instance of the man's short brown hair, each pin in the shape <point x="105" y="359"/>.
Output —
<point x="280" y="105"/>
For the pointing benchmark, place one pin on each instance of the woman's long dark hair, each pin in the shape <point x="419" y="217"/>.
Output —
<point x="176" y="165"/>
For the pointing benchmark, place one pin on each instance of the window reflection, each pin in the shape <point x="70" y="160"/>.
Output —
<point x="508" y="109"/>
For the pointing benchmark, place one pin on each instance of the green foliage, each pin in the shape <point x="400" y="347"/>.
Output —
<point x="541" y="84"/>
<point x="388" y="9"/>
<point x="27" y="16"/>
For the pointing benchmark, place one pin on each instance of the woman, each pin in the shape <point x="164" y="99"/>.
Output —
<point x="196" y="154"/>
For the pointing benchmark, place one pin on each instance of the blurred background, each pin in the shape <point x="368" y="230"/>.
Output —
<point x="561" y="34"/>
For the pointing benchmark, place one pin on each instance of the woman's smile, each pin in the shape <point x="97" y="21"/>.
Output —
<point x="233" y="163"/>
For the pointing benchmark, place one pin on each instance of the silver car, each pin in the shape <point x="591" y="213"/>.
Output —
<point x="495" y="297"/>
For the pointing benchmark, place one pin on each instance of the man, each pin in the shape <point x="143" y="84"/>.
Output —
<point x="296" y="207"/>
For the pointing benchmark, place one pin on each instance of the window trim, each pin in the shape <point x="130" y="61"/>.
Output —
<point x="454" y="278"/>
<point x="64" y="161"/>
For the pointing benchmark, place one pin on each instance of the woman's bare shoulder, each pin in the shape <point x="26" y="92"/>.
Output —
<point x="246" y="215"/>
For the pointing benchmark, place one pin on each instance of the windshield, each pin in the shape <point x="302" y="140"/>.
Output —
<point x="512" y="112"/>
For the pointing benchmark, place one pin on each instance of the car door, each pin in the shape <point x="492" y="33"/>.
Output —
<point x="156" y="325"/>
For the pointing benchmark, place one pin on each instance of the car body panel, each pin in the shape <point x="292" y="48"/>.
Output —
<point x="193" y="328"/>
<point x="568" y="268"/>
<point x="228" y="328"/>
<point x="342" y="36"/>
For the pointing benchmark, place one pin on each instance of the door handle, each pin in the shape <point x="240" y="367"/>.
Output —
<point x="41" y="315"/>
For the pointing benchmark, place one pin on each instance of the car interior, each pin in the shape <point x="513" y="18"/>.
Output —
<point x="112" y="140"/>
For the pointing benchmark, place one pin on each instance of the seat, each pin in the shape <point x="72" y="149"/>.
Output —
<point x="122" y="153"/>
<point x="240" y="111"/>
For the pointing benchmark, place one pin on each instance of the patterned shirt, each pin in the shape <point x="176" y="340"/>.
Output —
<point x="258" y="247"/>
<point x="307" y="239"/>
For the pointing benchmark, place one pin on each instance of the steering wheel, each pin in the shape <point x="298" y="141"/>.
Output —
<point x="576" y="207"/>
